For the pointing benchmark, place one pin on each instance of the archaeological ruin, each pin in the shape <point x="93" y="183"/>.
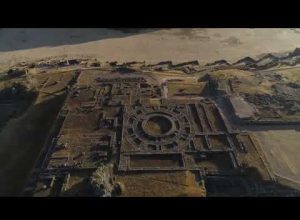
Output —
<point x="137" y="129"/>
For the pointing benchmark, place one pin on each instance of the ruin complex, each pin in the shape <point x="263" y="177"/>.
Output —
<point x="124" y="128"/>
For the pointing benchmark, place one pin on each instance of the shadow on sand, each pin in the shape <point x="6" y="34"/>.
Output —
<point x="21" y="143"/>
<point x="29" y="38"/>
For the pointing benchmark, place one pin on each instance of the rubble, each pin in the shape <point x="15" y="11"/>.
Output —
<point x="125" y="69"/>
<point x="13" y="73"/>
<point x="93" y="64"/>
<point x="247" y="61"/>
<point x="267" y="61"/>
<point x="296" y="52"/>
<point x="102" y="182"/>
<point x="218" y="63"/>
<point x="190" y="63"/>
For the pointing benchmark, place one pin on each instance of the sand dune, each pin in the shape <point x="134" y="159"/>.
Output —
<point x="151" y="45"/>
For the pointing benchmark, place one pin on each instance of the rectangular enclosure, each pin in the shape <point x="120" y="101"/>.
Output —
<point x="156" y="161"/>
<point x="214" y="161"/>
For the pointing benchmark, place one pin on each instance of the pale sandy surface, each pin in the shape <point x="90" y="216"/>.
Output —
<point x="151" y="45"/>
<point x="282" y="149"/>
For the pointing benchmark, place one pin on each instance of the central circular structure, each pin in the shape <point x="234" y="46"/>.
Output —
<point x="158" y="125"/>
<point x="157" y="128"/>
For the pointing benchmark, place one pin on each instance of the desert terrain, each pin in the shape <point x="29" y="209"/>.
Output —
<point x="150" y="45"/>
<point x="217" y="102"/>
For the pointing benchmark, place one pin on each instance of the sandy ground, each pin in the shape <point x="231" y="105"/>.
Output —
<point x="161" y="184"/>
<point x="151" y="45"/>
<point x="281" y="148"/>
